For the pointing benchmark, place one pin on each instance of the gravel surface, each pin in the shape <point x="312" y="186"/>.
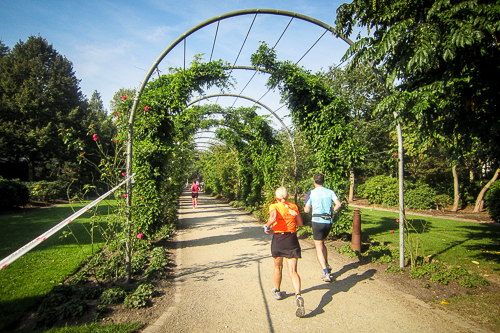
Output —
<point x="223" y="280"/>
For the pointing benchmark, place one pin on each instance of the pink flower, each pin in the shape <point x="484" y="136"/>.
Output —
<point x="115" y="114"/>
<point x="140" y="236"/>
<point x="125" y="195"/>
<point x="124" y="97"/>
<point x="397" y="220"/>
<point x="146" y="109"/>
<point x="95" y="137"/>
<point x="116" y="140"/>
<point x="123" y="174"/>
<point x="142" y="198"/>
<point x="392" y="231"/>
<point x="395" y="154"/>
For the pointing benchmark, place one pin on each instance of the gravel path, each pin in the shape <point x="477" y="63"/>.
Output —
<point x="224" y="279"/>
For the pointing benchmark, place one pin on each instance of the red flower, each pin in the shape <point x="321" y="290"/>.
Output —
<point x="116" y="141"/>
<point x="125" y="195"/>
<point x="146" y="108"/>
<point x="95" y="137"/>
<point x="124" y="97"/>
<point x="395" y="154"/>
<point x="115" y="114"/>
<point x="392" y="231"/>
<point x="140" y="236"/>
<point x="397" y="220"/>
<point x="123" y="174"/>
<point x="142" y="198"/>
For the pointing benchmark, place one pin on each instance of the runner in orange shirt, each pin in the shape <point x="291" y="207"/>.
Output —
<point x="284" y="216"/>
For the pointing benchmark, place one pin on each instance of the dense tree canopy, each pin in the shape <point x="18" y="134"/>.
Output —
<point x="441" y="56"/>
<point x="39" y="96"/>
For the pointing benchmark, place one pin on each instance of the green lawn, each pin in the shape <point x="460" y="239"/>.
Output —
<point x="24" y="282"/>
<point x="453" y="242"/>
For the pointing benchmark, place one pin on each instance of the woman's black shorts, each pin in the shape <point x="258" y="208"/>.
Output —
<point x="194" y="195"/>
<point x="285" y="245"/>
<point x="321" y="230"/>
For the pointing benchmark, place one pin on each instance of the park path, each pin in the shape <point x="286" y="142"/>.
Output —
<point x="223" y="283"/>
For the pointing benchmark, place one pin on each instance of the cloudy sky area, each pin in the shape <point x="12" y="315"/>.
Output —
<point x="112" y="44"/>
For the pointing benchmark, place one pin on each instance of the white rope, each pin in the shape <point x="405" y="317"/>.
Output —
<point x="23" y="250"/>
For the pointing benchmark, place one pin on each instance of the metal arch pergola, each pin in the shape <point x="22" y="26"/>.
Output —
<point x="247" y="12"/>
<point x="276" y="116"/>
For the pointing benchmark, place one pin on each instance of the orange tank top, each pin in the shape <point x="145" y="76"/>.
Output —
<point x="285" y="222"/>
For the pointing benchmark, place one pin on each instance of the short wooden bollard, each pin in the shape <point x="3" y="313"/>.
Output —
<point x="356" y="231"/>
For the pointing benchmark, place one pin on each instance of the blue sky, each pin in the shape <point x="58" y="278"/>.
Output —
<point x="112" y="44"/>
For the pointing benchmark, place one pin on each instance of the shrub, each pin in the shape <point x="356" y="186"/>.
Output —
<point x="12" y="194"/>
<point x="421" y="197"/>
<point x="492" y="200"/>
<point x="73" y="309"/>
<point x="135" y="301"/>
<point x="376" y="188"/>
<point x="393" y="269"/>
<point x="113" y="296"/>
<point x="47" y="191"/>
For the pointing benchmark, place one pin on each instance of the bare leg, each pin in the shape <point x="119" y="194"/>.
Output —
<point x="278" y="268"/>
<point x="321" y="253"/>
<point x="291" y="263"/>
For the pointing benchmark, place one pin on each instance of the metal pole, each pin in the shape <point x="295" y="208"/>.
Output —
<point x="356" y="231"/>
<point x="401" y="196"/>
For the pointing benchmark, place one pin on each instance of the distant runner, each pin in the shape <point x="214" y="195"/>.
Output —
<point x="194" y="193"/>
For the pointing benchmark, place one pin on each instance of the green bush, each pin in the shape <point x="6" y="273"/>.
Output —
<point x="47" y="191"/>
<point x="113" y="296"/>
<point x="379" y="190"/>
<point x="492" y="200"/>
<point x="12" y="194"/>
<point x="421" y="197"/>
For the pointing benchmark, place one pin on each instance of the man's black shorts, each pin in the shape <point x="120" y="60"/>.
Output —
<point x="194" y="195"/>
<point x="321" y="230"/>
<point x="285" y="245"/>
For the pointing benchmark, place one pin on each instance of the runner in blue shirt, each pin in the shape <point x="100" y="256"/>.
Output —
<point x="320" y="201"/>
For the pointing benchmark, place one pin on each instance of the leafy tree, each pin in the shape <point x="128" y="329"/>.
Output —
<point x="39" y="96"/>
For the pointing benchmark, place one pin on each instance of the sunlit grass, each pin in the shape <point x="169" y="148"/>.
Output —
<point x="96" y="328"/>
<point x="24" y="282"/>
<point x="453" y="242"/>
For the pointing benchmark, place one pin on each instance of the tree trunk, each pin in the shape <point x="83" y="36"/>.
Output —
<point x="31" y="170"/>
<point x="351" y="187"/>
<point x="456" y="189"/>
<point x="480" y="197"/>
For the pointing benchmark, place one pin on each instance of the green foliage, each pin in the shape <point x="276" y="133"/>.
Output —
<point x="40" y="95"/>
<point x="49" y="190"/>
<point x="73" y="309"/>
<point x="380" y="190"/>
<point x="346" y="250"/>
<point x="378" y="253"/>
<point x="157" y="264"/>
<point x="13" y="194"/>
<point x="422" y="196"/>
<point x="113" y="296"/>
<point x="393" y="269"/>
<point x="492" y="199"/>
<point x="422" y="47"/>
<point x="135" y="301"/>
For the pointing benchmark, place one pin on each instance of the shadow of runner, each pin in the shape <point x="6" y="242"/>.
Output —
<point x="333" y="288"/>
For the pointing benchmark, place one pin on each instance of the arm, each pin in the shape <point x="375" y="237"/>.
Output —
<point x="307" y="208"/>
<point x="298" y="220"/>
<point x="272" y="218"/>
<point x="337" y="205"/>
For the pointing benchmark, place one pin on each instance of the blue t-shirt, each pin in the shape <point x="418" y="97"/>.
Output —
<point x="320" y="200"/>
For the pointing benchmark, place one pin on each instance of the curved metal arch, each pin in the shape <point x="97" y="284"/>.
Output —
<point x="275" y="115"/>
<point x="246" y="12"/>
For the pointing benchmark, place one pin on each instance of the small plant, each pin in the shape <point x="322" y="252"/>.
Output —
<point x="418" y="272"/>
<point x="113" y="296"/>
<point x="378" y="253"/>
<point x="97" y="260"/>
<point x="472" y="281"/>
<point x="135" y="301"/>
<point x="73" y="309"/>
<point x="46" y="317"/>
<point x="145" y="289"/>
<point x="99" y="311"/>
<point x="139" y="261"/>
<point x="346" y="250"/>
<point x="425" y="285"/>
<point x="393" y="269"/>
<point x="440" y="277"/>
<point x="93" y="292"/>
<point x="79" y="278"/>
